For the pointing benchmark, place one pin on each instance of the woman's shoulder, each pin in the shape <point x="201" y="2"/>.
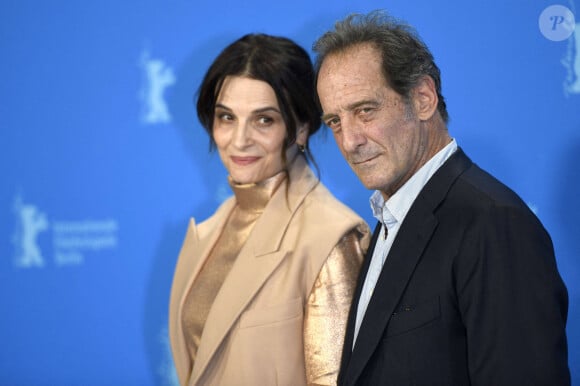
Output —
<point x="322" y="202"/>
<point x="331" y="224"/>
<point x="218" y="215"/>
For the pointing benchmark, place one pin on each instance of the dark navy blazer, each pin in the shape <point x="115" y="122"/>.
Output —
<point x="469" y="294"/>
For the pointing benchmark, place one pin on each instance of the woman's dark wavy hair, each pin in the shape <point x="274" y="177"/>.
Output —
<point x="406" y="58"/>
<point x="278" y="61"/>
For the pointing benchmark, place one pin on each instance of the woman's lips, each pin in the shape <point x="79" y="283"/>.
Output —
<point x="244" y="160"/>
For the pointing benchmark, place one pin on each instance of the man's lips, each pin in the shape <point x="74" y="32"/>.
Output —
<point x="360" y="161"/>
<point x="244" y="160"/>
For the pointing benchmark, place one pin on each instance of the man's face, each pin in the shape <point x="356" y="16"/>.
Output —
<point x="376" y="131"/>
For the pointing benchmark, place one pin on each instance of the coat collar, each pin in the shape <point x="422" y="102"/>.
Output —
<point x="258" y="258"/>
<point x="403" y="257"/>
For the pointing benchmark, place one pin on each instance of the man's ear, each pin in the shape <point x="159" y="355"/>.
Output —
<point x="302" y="134"/>
<point x="425" y="98"/>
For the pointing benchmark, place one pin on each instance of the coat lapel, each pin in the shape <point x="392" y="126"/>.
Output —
<point x="200" y="243"/>
<point x="258" y="258"/>
<point x="196" y="247"/>
<point x="405" y="254"/>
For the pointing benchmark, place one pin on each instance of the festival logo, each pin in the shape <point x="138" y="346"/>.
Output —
<point x="30" y="222"/>
<point x="72" y="240"/>
<point x="572" y="63"/>
<point x="558" y="23"/>
<point x="157" y="77"/>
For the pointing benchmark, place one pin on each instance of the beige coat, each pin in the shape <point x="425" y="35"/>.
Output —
<point x="254" y="332"/>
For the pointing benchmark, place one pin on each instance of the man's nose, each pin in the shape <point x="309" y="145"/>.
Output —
<point x="352" y="134"/>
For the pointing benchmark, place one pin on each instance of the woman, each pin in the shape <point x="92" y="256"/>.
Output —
<point x="262" y="288"/>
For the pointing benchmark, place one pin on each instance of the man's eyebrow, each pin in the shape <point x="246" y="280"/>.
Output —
<point x="352" y="107"/>
<point x="326" y="117"/>
<point x="358" y="104"/>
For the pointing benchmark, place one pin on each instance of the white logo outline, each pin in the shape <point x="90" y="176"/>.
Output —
<point x="30" y="223"/>
<point x="157" y="77"/>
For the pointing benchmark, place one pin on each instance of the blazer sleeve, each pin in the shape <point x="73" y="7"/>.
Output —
<point x="513" y="301"/>
<point x="328" y="306"/>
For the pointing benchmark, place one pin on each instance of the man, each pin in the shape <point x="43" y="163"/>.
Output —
<point x="460" y="284"/>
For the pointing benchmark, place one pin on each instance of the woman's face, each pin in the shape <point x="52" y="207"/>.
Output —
<point x="249" y="131"/>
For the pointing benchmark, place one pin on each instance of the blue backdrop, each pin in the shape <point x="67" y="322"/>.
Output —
<point x="103" y="161"/>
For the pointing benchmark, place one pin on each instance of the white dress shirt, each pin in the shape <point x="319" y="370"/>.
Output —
<point x="391" y="214"/>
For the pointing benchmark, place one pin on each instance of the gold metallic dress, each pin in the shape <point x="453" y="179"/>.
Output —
<point x="327" y="305"/>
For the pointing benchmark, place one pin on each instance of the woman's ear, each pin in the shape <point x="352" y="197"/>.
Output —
<point x="302" y="134"/>
<point x="425" y="98"/>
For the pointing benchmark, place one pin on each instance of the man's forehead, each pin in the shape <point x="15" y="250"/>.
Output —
<point x="350" y="76"/>
<point x="354" y="52"/>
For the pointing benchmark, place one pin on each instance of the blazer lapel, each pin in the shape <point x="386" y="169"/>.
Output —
<point x="196" y="247"/>
<point x="202" y="240"/>
<point x="403" y="257"/>
<point x="258" y="258"/>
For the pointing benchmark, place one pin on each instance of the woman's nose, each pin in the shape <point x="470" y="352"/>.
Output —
<point x="242" y="135"/>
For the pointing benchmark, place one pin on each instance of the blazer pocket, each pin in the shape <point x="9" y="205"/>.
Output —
<point x="271" y="314"/>
<point x="410" y="317"/>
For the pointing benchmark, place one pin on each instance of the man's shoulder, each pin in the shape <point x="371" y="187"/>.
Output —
<point x="478" y="184"/>
<point x="462" y="180"/>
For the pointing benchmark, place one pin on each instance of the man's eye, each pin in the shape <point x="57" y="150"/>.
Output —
<point x="333" y="122"/>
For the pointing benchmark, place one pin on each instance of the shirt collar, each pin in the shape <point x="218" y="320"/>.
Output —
<point x="395" y="209"/>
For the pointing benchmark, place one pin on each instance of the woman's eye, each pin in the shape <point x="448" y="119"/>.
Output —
<point x="263" y="120"/>
<point x="225" y="117"/>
